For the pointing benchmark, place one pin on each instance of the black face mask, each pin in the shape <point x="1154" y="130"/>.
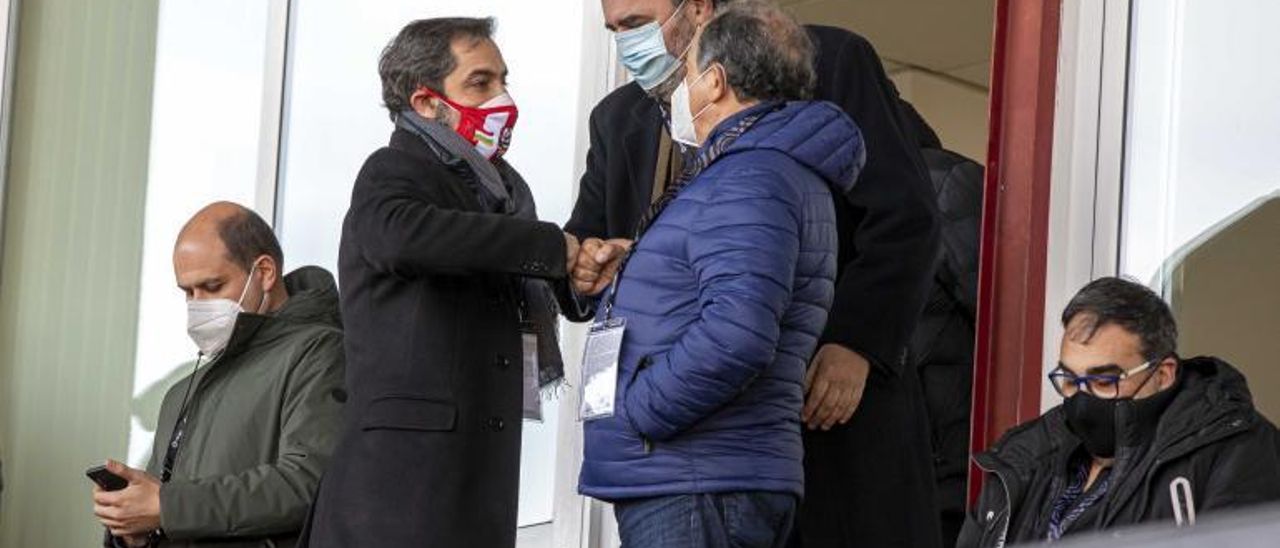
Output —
<point x="1094" y="420"/>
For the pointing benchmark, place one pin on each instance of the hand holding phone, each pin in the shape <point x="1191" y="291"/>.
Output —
<point x="105" y="479"/>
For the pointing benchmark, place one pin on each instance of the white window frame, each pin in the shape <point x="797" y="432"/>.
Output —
<point x="275" y="93"/>
<point x="1087" y="179"/>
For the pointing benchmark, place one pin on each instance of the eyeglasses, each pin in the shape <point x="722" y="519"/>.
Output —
<point x="1103" y="385"/>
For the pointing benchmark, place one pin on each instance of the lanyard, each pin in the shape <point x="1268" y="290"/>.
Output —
<point x="180" y="426"/>
<point x="704" y="159"/>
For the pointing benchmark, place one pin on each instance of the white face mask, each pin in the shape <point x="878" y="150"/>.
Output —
<point x="210" y="322"/>
<point x="682" y="116"/>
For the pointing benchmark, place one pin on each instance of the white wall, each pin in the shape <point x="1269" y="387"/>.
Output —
<point x="335" y="120"/>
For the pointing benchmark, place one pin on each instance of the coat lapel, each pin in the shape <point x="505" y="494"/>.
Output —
<point x="641" y="146"/>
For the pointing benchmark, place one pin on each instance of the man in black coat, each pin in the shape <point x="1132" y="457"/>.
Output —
<point x="445" y="274"/>
<point x="1141" y="435"/>
<point x="869" y="474"/>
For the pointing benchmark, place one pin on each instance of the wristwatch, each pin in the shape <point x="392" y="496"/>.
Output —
<point x="155" y="537"/>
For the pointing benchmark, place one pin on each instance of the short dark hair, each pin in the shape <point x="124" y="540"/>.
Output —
<point x="421" y="55"/>
<point x="1130" y="305"/>
<point x="247" y="237"/>
<point x="766" y="54"/>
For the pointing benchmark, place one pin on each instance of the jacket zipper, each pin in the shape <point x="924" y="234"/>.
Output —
<point x="1008" y="502"/>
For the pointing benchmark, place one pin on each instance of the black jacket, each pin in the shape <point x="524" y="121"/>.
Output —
<point x="942" y="346"/>
<point x="430" y="455"/>
<point x="1210" y="434"/>
<point x="888" y="244"/>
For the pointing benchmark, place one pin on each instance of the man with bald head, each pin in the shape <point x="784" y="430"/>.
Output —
<point x="243" y="440"/>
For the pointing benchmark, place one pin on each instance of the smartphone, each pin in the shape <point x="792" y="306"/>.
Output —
<point x="105" y="479"/>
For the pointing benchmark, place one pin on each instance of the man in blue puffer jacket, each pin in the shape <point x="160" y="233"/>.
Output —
<point x="725" y="294"/>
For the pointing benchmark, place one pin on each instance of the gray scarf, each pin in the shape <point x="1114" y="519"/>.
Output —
<point x="500" y="189"/>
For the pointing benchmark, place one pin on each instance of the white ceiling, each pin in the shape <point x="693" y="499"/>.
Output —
<point x="947" y="37"/>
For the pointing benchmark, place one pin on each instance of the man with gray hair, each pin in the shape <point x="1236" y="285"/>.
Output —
<point x="868" y="456"/>
<point x="723" y="297"/>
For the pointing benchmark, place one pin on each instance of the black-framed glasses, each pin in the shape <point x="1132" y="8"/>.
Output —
<point x="1102" y="385"/>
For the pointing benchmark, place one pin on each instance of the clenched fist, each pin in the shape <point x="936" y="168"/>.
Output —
<point x="597" y="264"/>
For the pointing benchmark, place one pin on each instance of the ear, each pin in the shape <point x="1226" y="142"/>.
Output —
<point x="424" y="104"/>
<point x="270" y="272"/>
<point x="701" y="11"/>
<point x="717" y="84"/>
<point x="1168" y="372"/>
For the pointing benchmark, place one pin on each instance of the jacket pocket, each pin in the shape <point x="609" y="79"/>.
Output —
<point x="409" y="413"/>
<point x="645" y="362"/>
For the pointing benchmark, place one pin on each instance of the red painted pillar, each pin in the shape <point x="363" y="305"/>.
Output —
<point x="1015" y="221"/>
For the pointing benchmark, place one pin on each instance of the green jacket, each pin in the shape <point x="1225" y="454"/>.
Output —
<point x="264" y="418"/>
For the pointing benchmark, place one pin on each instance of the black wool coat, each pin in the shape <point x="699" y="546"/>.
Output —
<point x="430" y="454"/>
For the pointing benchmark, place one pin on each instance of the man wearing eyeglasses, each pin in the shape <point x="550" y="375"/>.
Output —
<point x="1141" y="434"/>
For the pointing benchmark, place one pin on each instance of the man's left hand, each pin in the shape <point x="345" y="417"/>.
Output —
<point x="833" y="386"/>
<point x="133" y="511"/>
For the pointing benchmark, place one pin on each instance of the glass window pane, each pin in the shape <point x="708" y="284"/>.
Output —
<point x="1201" y="219"/>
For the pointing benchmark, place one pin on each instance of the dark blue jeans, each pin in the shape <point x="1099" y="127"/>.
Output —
<point x="753" y="519"/>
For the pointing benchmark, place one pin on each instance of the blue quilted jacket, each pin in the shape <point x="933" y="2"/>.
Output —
<point x="725" y="297"/>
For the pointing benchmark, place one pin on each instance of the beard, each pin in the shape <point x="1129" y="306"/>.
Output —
<point x="447" y="116"/>
<point x="662" y="93"/>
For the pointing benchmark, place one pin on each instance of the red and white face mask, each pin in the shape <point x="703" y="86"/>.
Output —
<point x="488" y="127"/>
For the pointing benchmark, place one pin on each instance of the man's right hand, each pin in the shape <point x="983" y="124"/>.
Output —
<point x="133" y="511"/>
<point x="597" y="265"/>
<point x="834" y="386"/>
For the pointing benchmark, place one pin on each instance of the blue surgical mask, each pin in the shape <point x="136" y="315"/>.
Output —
<point x="643" y="51"/>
